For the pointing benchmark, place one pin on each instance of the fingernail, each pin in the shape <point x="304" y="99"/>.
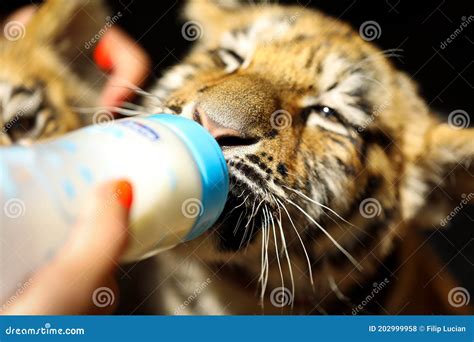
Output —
<point x="102" y="56"/>
<point x="124" y="191"/>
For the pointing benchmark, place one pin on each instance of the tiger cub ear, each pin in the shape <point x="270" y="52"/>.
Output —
<point x="450" y="154"/>
<point x="208" y="18"/>
<point x="445" y="172"/>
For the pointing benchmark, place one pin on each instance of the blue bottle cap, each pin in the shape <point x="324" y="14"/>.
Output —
<point x="211" y="164"/>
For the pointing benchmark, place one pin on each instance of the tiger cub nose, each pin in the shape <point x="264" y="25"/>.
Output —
<point x="225" y="136"/>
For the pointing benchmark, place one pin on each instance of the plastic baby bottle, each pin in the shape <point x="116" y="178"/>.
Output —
<point x="178" y="172"/>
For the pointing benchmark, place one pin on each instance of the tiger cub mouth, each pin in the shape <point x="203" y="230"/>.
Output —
<point x="256" y="194"/>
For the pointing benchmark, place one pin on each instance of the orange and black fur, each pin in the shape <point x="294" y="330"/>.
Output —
<point x="336" y="166"/>
<point x="45" y="71"/>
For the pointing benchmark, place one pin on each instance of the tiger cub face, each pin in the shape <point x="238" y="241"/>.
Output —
<point x="43" y="67"/>
<point x="34" y="104"/>
<point x="330" y="150"/>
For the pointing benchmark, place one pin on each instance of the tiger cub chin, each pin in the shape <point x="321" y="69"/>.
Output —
<point x="334" y="162"/>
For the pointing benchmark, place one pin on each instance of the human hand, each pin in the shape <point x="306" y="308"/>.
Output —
<point x="127" y="62"/>
<point x="71" y="283"/>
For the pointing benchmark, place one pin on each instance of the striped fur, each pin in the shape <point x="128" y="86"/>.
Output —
<point x="45" y="70"/>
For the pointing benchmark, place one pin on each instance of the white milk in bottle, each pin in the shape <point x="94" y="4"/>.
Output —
<point x="177" y="170"/>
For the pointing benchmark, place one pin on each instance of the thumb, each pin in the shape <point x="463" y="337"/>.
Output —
<point x="101" y="233"/>
<point x="69" y="284"/>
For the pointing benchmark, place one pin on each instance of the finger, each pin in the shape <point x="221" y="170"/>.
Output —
<point x="80" y="277"/>
<point x="129" y="63"/>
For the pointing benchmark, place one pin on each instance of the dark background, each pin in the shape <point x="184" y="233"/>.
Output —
<point x="417" y="27"/>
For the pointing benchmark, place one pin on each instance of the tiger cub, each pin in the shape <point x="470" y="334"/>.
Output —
<point x="46" y="70"/>
<point x="335" y="163"/>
